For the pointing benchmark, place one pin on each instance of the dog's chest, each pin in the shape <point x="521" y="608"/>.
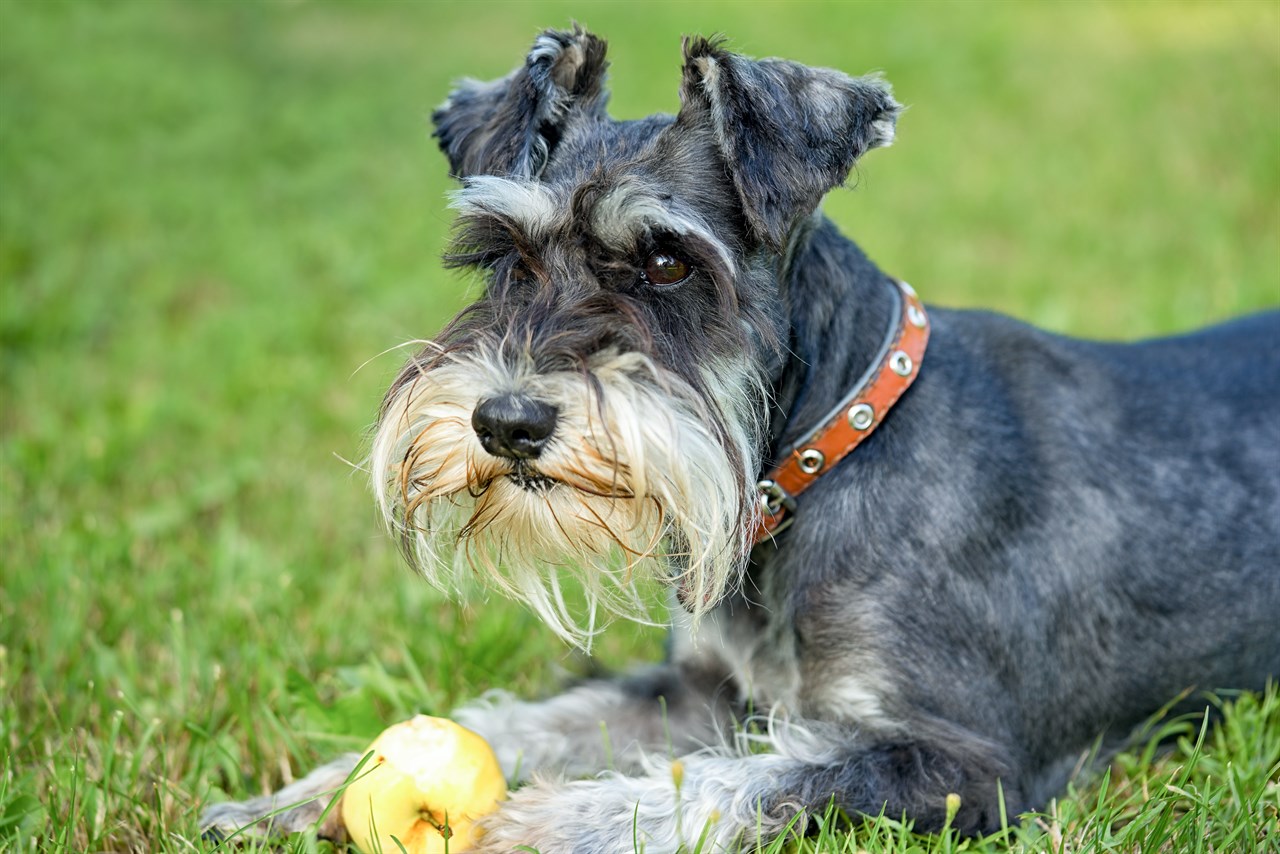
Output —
<point x="759" y="642"/>
<point x="758" y="647"/>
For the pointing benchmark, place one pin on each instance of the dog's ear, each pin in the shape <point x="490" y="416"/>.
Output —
<point x="510" y="127"/>
<point x="788" y="132"/>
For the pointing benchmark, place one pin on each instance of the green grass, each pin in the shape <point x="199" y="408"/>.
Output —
<point x="212" y="215"/>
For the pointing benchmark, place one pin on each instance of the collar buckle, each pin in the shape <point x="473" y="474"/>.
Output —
<point x="778" y="505"/>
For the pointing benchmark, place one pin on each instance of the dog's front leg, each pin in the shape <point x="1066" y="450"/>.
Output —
<point x="303" y="804"/>
<point x="604" y="724"/>
<point x="598" y="725"/>
<point x="724" y="802"/>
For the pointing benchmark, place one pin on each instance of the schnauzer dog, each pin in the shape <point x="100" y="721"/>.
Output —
<point x="1041" y="541"/>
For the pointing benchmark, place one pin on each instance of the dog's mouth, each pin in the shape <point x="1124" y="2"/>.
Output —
<point x="530" y="479"/>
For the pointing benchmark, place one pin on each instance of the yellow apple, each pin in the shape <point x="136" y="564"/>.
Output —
<point x="427" y="782"/>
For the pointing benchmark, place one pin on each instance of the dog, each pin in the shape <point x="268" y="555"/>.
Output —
<point x="912" y="554"/>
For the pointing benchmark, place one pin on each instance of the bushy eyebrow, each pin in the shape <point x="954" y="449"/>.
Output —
<point x="498" y="216"/>
<point x="625" y="214"/>
<point x="530" y="206"/>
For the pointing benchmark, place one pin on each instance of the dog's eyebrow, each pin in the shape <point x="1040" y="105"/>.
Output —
<point x="627" y="212"/>
<point x="530" y="206"/>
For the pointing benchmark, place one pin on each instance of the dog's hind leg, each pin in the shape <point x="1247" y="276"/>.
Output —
<point x="300" y="805"/>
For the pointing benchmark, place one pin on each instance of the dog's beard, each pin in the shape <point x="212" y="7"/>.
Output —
<point x="642" y="474"/>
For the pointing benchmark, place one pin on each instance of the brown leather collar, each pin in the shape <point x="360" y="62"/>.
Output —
<point x="844" y="428"/>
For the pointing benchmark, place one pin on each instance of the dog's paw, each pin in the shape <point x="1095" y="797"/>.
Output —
<point x="294" y="808"/>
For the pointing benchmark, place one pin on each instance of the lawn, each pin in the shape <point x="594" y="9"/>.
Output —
<point x="216" y="219"/>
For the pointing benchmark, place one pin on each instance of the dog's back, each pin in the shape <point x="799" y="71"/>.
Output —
<point x="1194" y="454"/>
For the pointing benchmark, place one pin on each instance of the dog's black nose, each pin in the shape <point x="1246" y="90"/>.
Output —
<point x="514" y="426"/>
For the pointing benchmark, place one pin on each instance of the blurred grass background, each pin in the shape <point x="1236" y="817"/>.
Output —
<point x="212" y="215"/>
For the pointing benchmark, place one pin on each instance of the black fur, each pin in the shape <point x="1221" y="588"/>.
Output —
<point x="1045" y="541"/>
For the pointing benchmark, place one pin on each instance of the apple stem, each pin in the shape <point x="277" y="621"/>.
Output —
<point x="441" y="826"/>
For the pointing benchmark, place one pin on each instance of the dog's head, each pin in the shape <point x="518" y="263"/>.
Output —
<point x="601" y="407"/>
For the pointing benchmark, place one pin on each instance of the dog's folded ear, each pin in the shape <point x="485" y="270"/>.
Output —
<point x="788" y="132"/>
<point x="510" y="126"/>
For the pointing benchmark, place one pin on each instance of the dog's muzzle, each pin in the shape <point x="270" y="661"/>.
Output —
<point x="490" y="470"/>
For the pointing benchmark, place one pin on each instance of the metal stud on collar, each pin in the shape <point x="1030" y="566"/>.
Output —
<point x="861" y="416"/>
<point x="811" y="461"/>
<point x="900" y="363"/>
<point x="916" y="316"/>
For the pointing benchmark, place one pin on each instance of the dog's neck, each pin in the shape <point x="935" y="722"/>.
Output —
<point x="839" y="305"/>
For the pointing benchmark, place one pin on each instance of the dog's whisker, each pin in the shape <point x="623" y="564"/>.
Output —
<point x="599" y="521"/>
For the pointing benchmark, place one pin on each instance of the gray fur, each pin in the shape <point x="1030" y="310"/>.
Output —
<point x="301" y="805"/>
<point x="1045" y="541"/>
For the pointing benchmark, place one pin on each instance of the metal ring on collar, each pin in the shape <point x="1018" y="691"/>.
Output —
<point x="811" y="461"/>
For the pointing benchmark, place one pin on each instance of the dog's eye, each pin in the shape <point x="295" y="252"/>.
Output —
<point x="664" y="268"/>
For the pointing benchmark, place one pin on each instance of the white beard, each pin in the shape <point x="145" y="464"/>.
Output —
<point x="634" y="479"/>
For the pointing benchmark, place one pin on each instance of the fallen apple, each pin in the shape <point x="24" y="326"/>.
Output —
<point x="426" y="783"/>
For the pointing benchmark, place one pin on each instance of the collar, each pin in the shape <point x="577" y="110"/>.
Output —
<point x="892" y="372"/>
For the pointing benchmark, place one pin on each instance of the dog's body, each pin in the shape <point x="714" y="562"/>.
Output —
<point x="1044" y="542"/>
